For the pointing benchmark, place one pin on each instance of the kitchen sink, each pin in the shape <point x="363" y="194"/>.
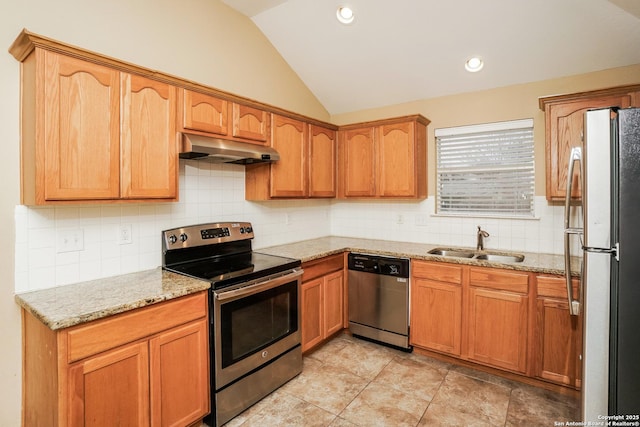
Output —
<point x="451" y="253"/>
<point x="480" y="256"/>
<point x="500" y="258"/>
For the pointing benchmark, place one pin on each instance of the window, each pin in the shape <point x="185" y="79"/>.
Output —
<point x="486" y="169"/>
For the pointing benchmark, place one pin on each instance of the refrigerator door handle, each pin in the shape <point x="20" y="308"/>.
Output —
<point x="574" y="157"/>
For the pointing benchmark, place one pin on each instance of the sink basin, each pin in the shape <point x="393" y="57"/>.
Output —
<point x="451" y="253"/>
<point x="500" y="258"/>
<point x="480" y="256"/>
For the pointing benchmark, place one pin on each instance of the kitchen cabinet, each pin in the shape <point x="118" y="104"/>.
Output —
<point x="497" y="323"/>
<point x="250" y="123"/>
<point x="386" y="158"/>
<point x="91" y="133"/>
<point x="436" y="306"/>
<point x="210" y="115"/>
<point x="322" y="161"/>
<point x="564" y="123"/>
<point x="145" y="367"/>
<point x="204" y="113"/>
<point x="307" y="165"/>
<point x="558" y="335"/>
<point x="322" y="300"/>
<point x="148" y="141"/>
<point x="288" y="176"/>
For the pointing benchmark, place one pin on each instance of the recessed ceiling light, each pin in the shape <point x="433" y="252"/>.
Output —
<point x="345" y="15"/>
<point x="474" y="64"/>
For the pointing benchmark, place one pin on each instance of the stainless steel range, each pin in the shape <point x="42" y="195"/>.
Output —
<point x="254" y="330"/>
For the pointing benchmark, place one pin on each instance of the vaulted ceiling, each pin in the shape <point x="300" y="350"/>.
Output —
<point x="405" y="50"/>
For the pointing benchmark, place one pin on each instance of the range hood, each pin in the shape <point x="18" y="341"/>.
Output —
<point x="216" y="150"/>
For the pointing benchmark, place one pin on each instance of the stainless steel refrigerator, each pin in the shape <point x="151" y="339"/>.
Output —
<point x="607" y="225"/>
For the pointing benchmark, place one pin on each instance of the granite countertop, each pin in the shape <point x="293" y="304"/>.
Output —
<point x="70" y="305"/>
<point x="309" y="250"/>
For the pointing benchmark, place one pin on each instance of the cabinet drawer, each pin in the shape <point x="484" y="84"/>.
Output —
<point x="321" y="267"/>
<point x="555" y="287"/>
<point x="499" y="279"/>
<point x="100" y="335"/>
<point x="440" y="272"/>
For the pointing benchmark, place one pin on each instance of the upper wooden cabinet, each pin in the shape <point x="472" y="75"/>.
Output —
<point x="91" y="133"/>
<point x="322" y="161"/>
<point x="210" y="115"/>
<point x="148" y="141"/>
<point x="251" y="123"/>
<point x="288" y="176"/>
<point x="307" y="165"/>
<point x="204" y="113"/>
<point x="564" y="125"/>
<point x="386" y="158"/>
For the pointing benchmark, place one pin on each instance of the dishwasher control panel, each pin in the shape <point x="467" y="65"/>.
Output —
<point x="387" y="266"/>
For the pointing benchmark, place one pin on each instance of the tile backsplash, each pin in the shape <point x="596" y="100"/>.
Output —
<point x="67" y="244"/>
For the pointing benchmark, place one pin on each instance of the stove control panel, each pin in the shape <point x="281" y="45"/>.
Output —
<point x="205" y="234"/>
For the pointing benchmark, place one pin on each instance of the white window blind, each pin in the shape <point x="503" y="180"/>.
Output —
<point x="486" y="169"/>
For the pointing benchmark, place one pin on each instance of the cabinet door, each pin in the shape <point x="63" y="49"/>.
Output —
<point x="559" y="342"/>
<point x="558" y="334"/>
<point x="333" y="303"/>
<point x="204" y="113"/>
<point x="396" y="159"/>
<point x="436" y="315"/>
<point x="322" y="162"/>
<point x="289" y="174"/>
<point x="251" y="123"/>
<point x="179" y="371"/>
<point x="111" y="389"/>
<point x="358" y="163"/>
<point x="80" y="126"/>
<point x="497" y="328"/>
<point x="312" y="315"/>
<point x="564" y="127"/>
<point x="149" y="139"/>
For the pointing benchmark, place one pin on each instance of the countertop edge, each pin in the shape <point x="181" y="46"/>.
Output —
<point x="160" y="286"/>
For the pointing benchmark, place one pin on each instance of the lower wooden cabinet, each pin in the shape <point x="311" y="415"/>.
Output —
<point x="436" y="307"/>
<point x="322" y="300"/>
<point x="147" y="367"/>
<point x="497" y="324"/>
<point x="558" y="340"/>
<point x="111" y="388"/>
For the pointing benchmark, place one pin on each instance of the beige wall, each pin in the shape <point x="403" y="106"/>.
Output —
<point x="507" y="103"/>
<point x="201" y="40"/>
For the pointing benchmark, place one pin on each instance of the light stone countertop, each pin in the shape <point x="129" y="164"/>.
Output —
<point x="69" y="305"/>
<point x="309" y="250"/>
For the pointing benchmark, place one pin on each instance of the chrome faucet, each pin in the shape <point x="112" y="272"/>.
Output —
<point x="481" y="235"/>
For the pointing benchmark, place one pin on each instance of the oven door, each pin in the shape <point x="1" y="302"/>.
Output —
<point x="253" y="324"/>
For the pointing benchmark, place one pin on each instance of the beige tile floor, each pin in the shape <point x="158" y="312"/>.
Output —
<point x="351" y="382"/>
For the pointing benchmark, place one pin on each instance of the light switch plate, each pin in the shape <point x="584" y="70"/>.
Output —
<point x="69" y="240"/>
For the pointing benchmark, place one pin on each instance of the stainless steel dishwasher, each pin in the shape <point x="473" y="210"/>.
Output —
<point x="379" y="299"/>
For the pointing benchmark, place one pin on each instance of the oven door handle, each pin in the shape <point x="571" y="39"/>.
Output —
<point x="258" y="287"/>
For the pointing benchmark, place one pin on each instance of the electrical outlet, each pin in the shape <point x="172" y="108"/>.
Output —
<point x="124" y="234"/>
<point x="399" y="219"/>
<point x="287" y="218"/>
<point x="69" y="240"/>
